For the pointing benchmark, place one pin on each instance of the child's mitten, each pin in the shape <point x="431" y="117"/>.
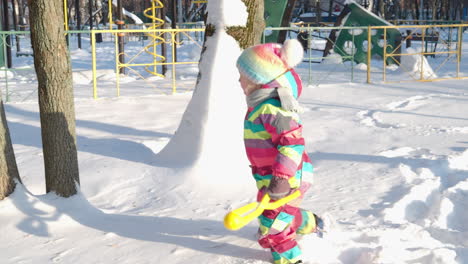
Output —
<point x="278" y="188"/>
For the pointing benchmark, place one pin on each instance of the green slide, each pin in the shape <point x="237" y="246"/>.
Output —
<point x="274" y="12"/>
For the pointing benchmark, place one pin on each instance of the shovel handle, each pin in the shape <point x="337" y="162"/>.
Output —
<point x="238" y="218"/>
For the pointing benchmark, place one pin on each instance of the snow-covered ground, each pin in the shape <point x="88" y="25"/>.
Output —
<point x="391" y="168"/>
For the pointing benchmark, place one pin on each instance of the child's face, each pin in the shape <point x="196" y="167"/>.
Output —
<point x="247" y="85"/>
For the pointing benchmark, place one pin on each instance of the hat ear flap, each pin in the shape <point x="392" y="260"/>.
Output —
<point x="292" y="52"/>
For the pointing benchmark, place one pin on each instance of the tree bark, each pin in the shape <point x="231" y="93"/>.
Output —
<point x="56" y="105"/>
<point x="8" y="167"/>
<point x="250" y="34"/>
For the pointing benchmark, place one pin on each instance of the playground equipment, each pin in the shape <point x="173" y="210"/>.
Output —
<point x="279" y="13"/>
<point x="275" y="13"/>
<point x="157" y="38"/>
<point x="355" y="43"/>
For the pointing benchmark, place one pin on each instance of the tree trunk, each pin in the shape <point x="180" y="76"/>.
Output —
<point x="57" y="114"/>
<point x="381" y="11"/>
<point x="8" y="168"/>
<point x="415" y="10"/>
<point x="250" y="34"/>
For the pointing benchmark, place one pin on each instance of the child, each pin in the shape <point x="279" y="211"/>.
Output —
<point x="274" y="143"/>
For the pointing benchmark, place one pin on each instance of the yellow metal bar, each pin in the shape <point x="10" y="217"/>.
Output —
<point x="160" y="30"/>
<point x="157" y="39"/>
<point x="398" y="21"/>
<point x="174" y="89"/>
<point x="110" y="14"/>
<point x="431" y="80"/>
<point x="154" y="25"/>
<point x="426" y="53"/>
<point x="442" y="64"/>
<point x="93" y="54"/>
<point x="423" y="36"/>
<point x="385" y="55"/>
<point x="369" y="54"/>
<point x="190" y="37"/>
<point x="420" y="26"/>
<point x="159" y="63"/>
<point x="117" y="64"/>
<point x="65" y="15"/>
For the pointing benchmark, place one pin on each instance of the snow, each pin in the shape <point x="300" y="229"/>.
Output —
<point x="227" y="13"/>
<point x="390" y="170"/>
<point x="413" y="64"/>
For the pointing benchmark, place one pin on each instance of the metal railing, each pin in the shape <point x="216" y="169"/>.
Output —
<point x="448" y="55"/>
<point x="436" y="43"/>
<point x="443" y="51"/>
<point x="313" y="39"/>
<point x="171" y="41"/>
<point x="135" y="60"/>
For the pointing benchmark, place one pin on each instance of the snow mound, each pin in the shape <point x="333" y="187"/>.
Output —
<point x="414" y="64"/>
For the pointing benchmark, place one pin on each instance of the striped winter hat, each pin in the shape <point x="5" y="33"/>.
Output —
<point x="265" y="62"/>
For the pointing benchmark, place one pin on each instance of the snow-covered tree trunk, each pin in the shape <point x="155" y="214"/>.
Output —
<point x="251" y="33"/>
<point x="8" y="167"/>
<point x="200" y="142"/>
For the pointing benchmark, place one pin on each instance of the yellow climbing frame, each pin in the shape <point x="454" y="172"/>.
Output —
<point x="171" y="41"/>
<point x="392" y="52"/>
<point x="156" y="37"/>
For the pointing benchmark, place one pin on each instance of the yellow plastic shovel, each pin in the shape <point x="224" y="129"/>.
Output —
<point x="238" y="218"/>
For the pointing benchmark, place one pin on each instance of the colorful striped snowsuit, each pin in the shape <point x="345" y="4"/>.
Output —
<point x="275" y="147"/>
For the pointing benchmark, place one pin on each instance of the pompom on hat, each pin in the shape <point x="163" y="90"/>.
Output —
<point x="265" y="62"/>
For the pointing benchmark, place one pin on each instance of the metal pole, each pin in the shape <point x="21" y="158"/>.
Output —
<point x="117" y="64"/>
<point x="155" y="44"/>
<point x="6" y="27"/>
<point x="423" y="41"/>
<point x="15" y="25"/>
<point x="65" y="16"/>
<point x="65" y="19"/>
<point x="173" y="39"/>
<point x="110" y="14"/>
<point x="93" y="54"/>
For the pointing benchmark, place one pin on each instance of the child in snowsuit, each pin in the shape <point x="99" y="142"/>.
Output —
<point x="274" y="143"/>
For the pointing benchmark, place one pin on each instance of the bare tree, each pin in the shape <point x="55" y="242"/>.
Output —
<point x="56" y="105"/>
<point x="8" y="168"/>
